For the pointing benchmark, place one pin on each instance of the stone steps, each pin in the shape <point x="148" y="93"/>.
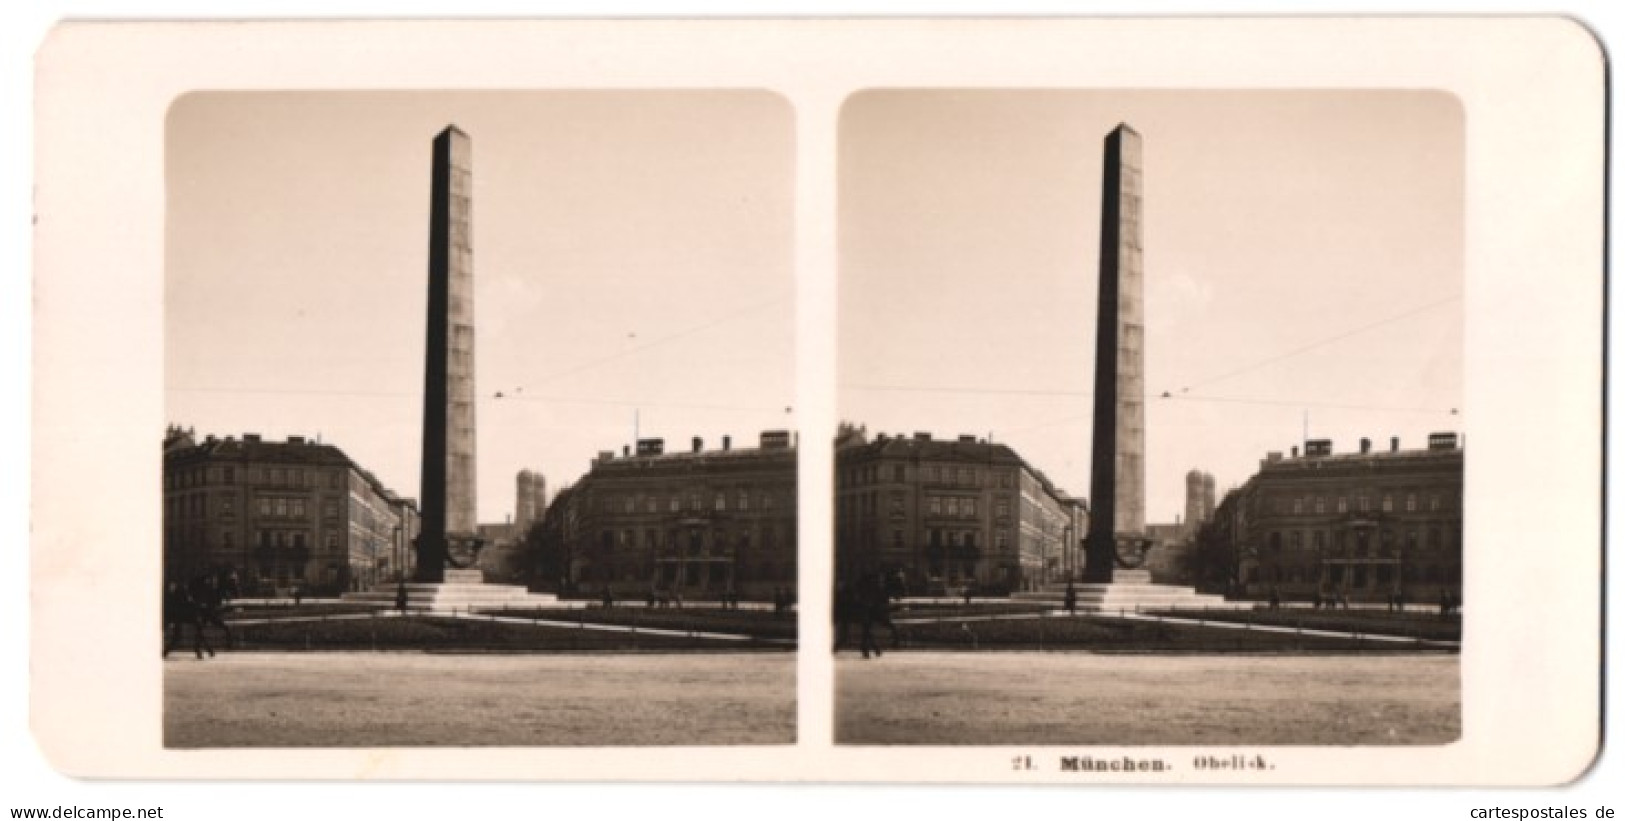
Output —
<point x="1129" y="590"/>
<point x="462" y="590"/>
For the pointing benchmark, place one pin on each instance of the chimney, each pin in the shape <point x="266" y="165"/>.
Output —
<point x="1393" y="444"/>
<point x="922" y="436"/>
<point x="296" y="440"/>
<point x="967" y="438"/>
<point x="727" y="442"/>
<point x="606" y="455"/>
<point x="1294" y="451"/>
<point x="626" y="450"/>
<point x="251" y="437"/>
<point x="699" y="444"/>
<point x="1365" y="444"/>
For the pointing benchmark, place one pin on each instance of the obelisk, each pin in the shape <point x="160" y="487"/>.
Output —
<point x="448" y="489"/>
<point x="1117" y="480"/>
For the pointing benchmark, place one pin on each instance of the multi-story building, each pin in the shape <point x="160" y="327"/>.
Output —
<point x="1369" y="525"/>
<point x="701" y="522"/>
<point x="280" y="514"/>
<point x="946" y="512"/>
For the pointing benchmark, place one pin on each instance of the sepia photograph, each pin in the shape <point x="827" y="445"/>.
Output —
<point x="1152" y="409"/>
<point x="481" y="427"/>
<point x="429" y="399"/>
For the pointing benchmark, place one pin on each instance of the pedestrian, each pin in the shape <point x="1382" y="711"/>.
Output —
<point x="208" y="605"/>
<point x="298" y="595"/>
<point x="400" y="596"/>
<point x="1275" y="597"/>
<point x="1071" y="599"/>
<point x="608" y="598"/>
<point x="871" y="601"/>
<point x="969" y="587"/>
<point x="181" y="610"/>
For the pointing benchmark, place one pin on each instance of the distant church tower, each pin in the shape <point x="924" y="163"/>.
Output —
<point x="531" y="501"/>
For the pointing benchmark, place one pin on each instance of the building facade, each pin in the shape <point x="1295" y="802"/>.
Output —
<point x="700" y="522"/>
<point x="941" y="513"/>
<point x="1369" y="525"/>
<point x="280" y="515"/>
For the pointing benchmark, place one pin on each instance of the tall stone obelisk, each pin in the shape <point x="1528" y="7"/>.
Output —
<point x="448" y="524"/>
<point x="1117" y="480"/>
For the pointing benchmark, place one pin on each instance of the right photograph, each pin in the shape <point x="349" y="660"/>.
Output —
<point x="1150" y="407"/>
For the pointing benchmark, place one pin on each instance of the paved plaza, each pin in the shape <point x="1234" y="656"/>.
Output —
<point x="1107" y="699"/>
<point x="422" y="699"/>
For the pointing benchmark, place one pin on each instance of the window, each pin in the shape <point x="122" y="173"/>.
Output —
<point x="767" y="501"/>
<point x="330" y="509"/>
<point x="228" y="506"/>
<point x="281" y="507"/>
<point x="1433" y="502"/>
<point x="968" y="507"/>
<point x="1387" y="503"/>
<point x="744" y="500"/>
<point x="631" y="503"/>
<point x="649" y="504"/>
<point x="335" y="480"/>
<point x="722" y="501"/>
<point x="1297" y="505"/>
<point x="693" y="501"/>
<point x="964" y="476"/>
<point x="934" y="505"/>
<point x="1342" y="504"/>
<point x="897" y="504"/>
<point x="332" y="540"/>
<point x="276" y="476"/>
<point x="897" y="473"/>
<point x="1365" y="504"/>
<point x="299" y="508"/>
<point x="676" y="504"/>
<point x="1002" y="539"/>
<point x="1320" y="504"/>
<point x="896" y="537"/>
<point x="953" y="506"/>
<point x="1002" y="509"/>
<point x="264" y="506"/>
<point x="228" y="540"/>
<point x="930" y="473"/>
<point x="231" y="475"/>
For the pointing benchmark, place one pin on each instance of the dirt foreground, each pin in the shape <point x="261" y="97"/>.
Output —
<point x="1081" y="698"/>
<point x="417" y="699"/>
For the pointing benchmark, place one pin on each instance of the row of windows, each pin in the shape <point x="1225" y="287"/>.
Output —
<point x="721" y="500"/>
<point x="257" y="475"/>
<point x="695" y="540"/>
<point x="1361" y="503"/>
<point x="1360" y="542"/>
<point x="929" y="474"/>
<point x="1357" y="576"/>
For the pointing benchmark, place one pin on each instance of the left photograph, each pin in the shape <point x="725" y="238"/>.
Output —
<point x="480" y="419"/>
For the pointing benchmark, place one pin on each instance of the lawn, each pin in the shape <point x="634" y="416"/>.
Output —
<point x="1104" y="634"/>
<point x="447" y="634"/>
<point x="761" y="624"/>
<point x="1413" y="624"/>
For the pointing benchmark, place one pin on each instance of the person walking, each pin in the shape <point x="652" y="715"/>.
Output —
<point x="1071" y="598"/>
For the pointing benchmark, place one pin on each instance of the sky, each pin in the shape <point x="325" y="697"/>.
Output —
<point x="1303" y="266"/>
<point x="632" y="264"/>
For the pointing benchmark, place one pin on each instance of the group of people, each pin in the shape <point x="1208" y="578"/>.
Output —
<point x="783" y="602"/>
<point x="868" y="604"/>
<point x="198" y="604"/>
